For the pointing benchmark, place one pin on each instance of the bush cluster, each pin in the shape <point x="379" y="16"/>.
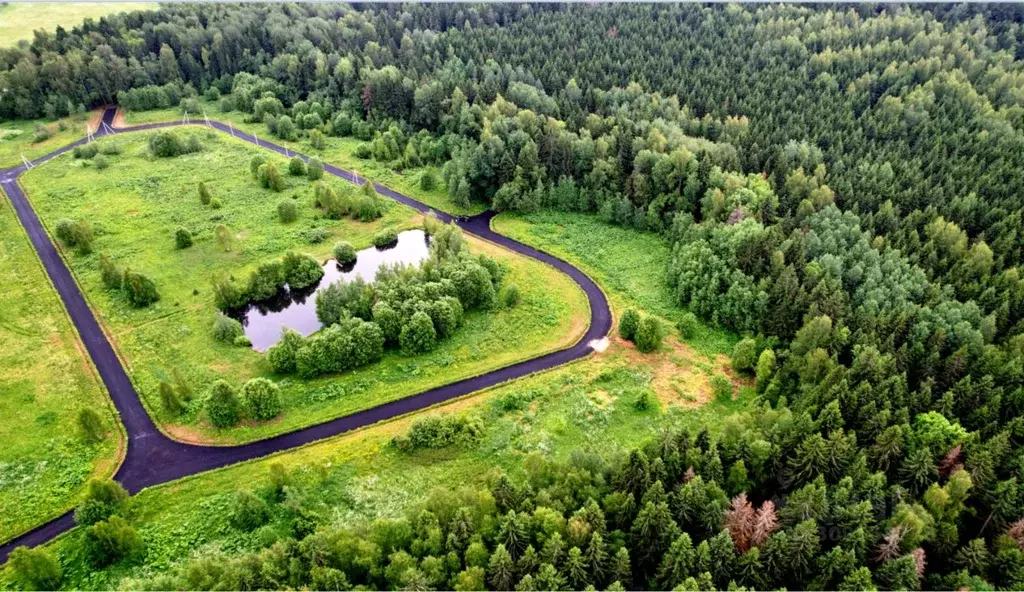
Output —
<point x="295" y="271"/>
<point x="139" y="289"/>
<point x="643" y="330"/>
<point x="440" y="431"/>
<point x="259" y="399"/>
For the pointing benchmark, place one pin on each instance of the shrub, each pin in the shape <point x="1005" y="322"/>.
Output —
<point x="296" y="167"/>
<point x="344" y="252"/>
<point x="169" y="399"/>
<point x="287" y="211"/>
<point x="316" y="139"/>
<point x="113" y="277"/>
<point x="385" y="237"/>
<point x="242" y="341"/>
<point x="110" y="541"/>
<point x="315" y="170"/>
<point x="511" y="296"/>
<point x="262" y="399"/>
<point x="301" y="271"/>
<point x="101" y="162"/>
<point x="204" y="194"/>
<point x="141" y="290"/>
<point x="363" y="151"/>
<point x="428" y="179"/>
<point x="266" y="281"/>
<point x="315" y="236"/>
<point x="227" y="294"/>
<point x="765" y="369"/>
<point x="225" y="240"/>
<point x="281" y="355"/>
<point x="182" y="238"/>
<point x="86" y="151"/>
<point x="254" y="165"/>
<point x="36" y="568"/>
<point x="418" y="335"/>
<point x="215" y="203"/>
<point x="629" y="323"/>
<point x="368" y="209"/>
<point x="440" y="431"/>
<point x="110" y="149"/>
<point x="42" y="134"/>
<point x="744" y="355"/>
<point x="643" y="401"/>
<point x="248" y="512"/>
<point x="222" y="406"/>
<point x="226" y="329"/>
<point x="721" y="388"/>
<point x="389" y="321"/>
<point x="90" y="425"/>
<point x="269" y="177"/>
<point x="76" y="234"/>
<point x="687" y="325"/>
<point x="103" y="498"/>
<point x="649" y="334"/>
<point x="167" y="144"/>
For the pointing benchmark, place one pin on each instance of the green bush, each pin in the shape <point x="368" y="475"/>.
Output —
<point x="101" y="162"/>
<point x="42" y="134"/>
<point x="428" y="179"/>
<point x="257" y="161"/>
<point x="301" y="271"/>
<point x="76" y="234"/>
<point x="111" y="541"/>
<point x="287" y="211"/>
<point x="167" y="144"/>
<point x="35" y="569"/>
<point x="182" y="238"/>
<point x="103" y="498"/>
<point x="215" y="203"/>
<point x="226" y="329"/>
<point x="440" y="431"/>
<point x="269" y="177"/>
<point x="314" y="170"/>
<point x="688" y="325"/>
<point x="141" y="290"/>
<point x="315" y="236"/>
<point x="227" y="294"/>
<point x="649" y="334"/>
<point x="248" y="512"/>
<point x="169" y="399"/>
<point x="223" y="406"/>
<point x="90" y="425"/>
<point x="629" y="323"/>
<point x="511" y="296"/>
<point x="266" y="280"/>
<point x="765" y="369"/>
<point x="85" y="151"/>
<point x="110" y="149"/>
<point x="242" y="341"/>
<point x="744" y="355"/>
<point x="721" y="388"/>
<point x="383" y="238"/>
<point x="262" y="399"/>
<point x="281" y="355"/>
<point x="113" y="277"/>
<point x="418" y="335"/>
<point x="296" y="167"/>
<point x="204" y="194"/>
<point x="344" y="252"/>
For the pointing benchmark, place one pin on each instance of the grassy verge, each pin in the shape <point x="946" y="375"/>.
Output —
<point x="18" y="20"/>
<point x="337" y="151"/>
<point x="46" y="378"/>
<point x="136" y="205"/>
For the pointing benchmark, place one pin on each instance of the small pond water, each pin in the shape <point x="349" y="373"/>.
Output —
<point x="296" y="309"/>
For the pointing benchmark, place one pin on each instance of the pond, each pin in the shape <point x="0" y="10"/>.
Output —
<point x="296" y="309"/>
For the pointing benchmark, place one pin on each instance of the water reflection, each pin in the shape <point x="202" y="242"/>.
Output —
<point x="296" y="309"/>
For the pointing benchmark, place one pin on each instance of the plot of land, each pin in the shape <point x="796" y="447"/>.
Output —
<point x="136" y="205"/>
<point x="18" y="20"/>
<point x="45" y="380"/>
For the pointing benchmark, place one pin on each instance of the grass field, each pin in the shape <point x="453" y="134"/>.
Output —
<point x="337" y="151"/>
<point x="630" y="264"/>
<point x="45" y="379"/>
<point x="18" y="138"/>
<point x="135" y="206"/>
<point x="18" y="20"/>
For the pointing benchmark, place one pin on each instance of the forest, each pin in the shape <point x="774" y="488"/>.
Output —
<point x="838" y="185"/>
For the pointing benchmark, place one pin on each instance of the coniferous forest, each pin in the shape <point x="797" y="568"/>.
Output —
<point x="841" y="186"/>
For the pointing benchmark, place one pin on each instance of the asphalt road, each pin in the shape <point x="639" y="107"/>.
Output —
<point x="152" y="457"/>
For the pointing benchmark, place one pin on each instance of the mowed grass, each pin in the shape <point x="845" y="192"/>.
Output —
<point x="588" y="405"/>
<point x="19" y="20"/>
<point x="338" y="151"/>
<point x="46" y="378"/>
<point x="629" y="264"/>
<point x="136" y="205"/>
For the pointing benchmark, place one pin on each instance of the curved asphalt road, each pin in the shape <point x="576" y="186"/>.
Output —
<point x="152" y="457"/>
